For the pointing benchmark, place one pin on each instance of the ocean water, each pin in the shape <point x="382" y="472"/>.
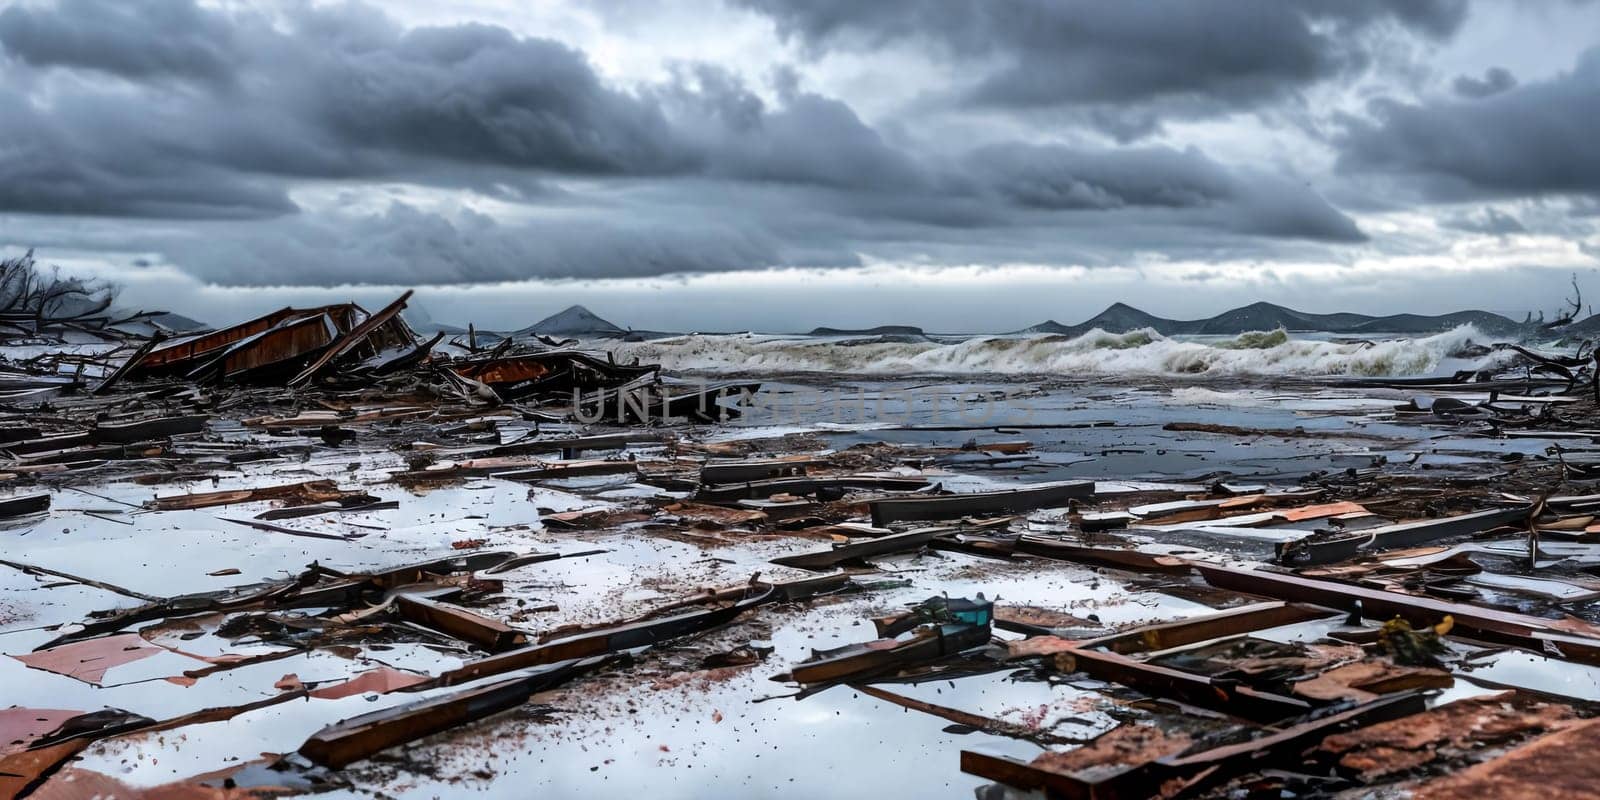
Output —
<point x="1135" y="353"/>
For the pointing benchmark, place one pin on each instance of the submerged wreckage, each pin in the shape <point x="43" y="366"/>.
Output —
<point x="316" y="551"/>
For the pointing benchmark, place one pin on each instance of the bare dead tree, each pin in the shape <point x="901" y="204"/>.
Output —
<point x="34" y="300"/>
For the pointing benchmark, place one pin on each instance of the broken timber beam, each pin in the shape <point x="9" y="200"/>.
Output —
<point x="602" y="642"/>
<point x="713" y="472"/>
<point x="146" y="429"/>
<point x="883" y="545"/>
<point x="807" y="485"/>
<point x="954" y="506"/>
<point x="1197" y="690"/>
<point x="1114" y="557"/>
<point x="349" y="340"/>
<point x="1309" y="551"/>
<point x="489" y="634"/>
<point x="1502" y="627"/>
<point x="361" y="737"/>
<point x="127" y="366"/>
<point x="1232" y="622"/>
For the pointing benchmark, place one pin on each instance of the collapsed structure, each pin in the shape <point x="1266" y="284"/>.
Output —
<point x="315" y="550"/>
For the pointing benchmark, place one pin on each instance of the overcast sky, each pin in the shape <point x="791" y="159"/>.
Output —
<point x="780" y="164"/>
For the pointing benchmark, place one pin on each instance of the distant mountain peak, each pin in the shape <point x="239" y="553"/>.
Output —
<point x="574" y="320"/>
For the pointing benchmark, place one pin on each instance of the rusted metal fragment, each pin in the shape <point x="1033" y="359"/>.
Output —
<point x="1451" y="732"/>
<point x="21" y="727"/>
<point x="1037" y="620"/>
<point x="183" y="353"/>
<point x="704" y="515"/>
<point x="275" y="351"/>
<point x="1366" y="679"/>
<point x="89" y="660"/>
<point x="1302" y="513"/>
<point x="1519" y="630"/>
<point x="1176" y="773"/>
<point x="381" y="680"/>
<point x="1198" y="690"/>
<point x="74" y="783"/>
<point x="1558" y="766"/>
<point x="1127" y="745"/>
<point x="955" y="506"/>
<point x="1036" y="646"/>
<point x="21" y="773"/>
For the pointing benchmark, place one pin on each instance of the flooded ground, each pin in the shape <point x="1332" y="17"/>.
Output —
<point x="217" y="690"/>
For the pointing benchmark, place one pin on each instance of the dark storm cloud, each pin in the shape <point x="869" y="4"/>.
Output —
<point x="1060" y="178"/>
<point x="404" y="245"/>
<point x="695" y="173"/>
<point x="1198" y="58"/>
<point x="1494" y="81"/>
<point x="1535" y="139"/>
<point x="64" y="162"/>
<point x="152" y="38"/>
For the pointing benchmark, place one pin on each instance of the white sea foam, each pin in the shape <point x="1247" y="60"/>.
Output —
<point x="1140" y="352"/>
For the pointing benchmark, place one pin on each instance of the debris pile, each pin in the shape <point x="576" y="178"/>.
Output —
<point x="316" y="551"/>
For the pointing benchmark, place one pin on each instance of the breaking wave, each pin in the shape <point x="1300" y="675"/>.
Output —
<point x="1098" y="352"/>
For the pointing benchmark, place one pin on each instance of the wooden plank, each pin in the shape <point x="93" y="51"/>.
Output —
<point x="1502" y="627"/>
<point x="883" y="545"/>
<point x="1116" y="558"/>
<point x="147" y="429"/>
<point x="603" y="641"/>
<point x="489" y="634"/>
<point x="1232" y="622"/>
<point x="955" y="506"/>
<point x="802" y="486"/>
<point x="24" y="504"/>
<point x="1406" y="534"/>
<point x="755" y="470"/>
<point x="363" y="736"/>
<point x="1196" y="690"/>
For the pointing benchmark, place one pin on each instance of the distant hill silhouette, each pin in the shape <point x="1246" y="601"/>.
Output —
<point x="881" y="330"/>
<point x="1121" y="318"/>
<point x="573" y="321"/>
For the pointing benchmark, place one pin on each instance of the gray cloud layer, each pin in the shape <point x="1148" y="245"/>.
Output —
<point x="1120" y="59"/>
<point x="462" y="153"/>
<point x="187" y="112"/>
<point x="1533" y="139"/>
